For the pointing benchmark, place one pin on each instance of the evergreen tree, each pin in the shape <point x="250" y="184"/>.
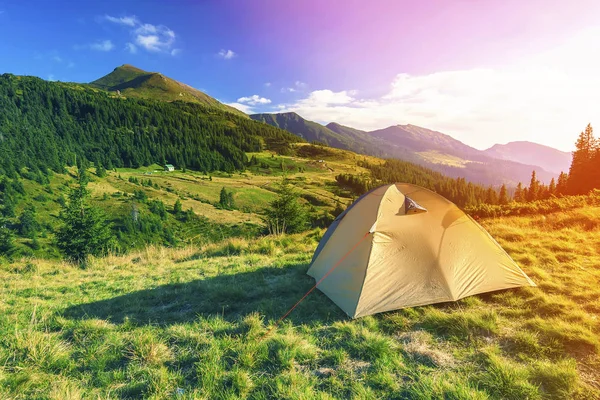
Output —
<point x="533" y="192"/>
<point x="85" y="230"/>
<point x="100" y="170"/>
<point x="503" y="197"/>
<point x="285" y="214"/>
<point x="28" y="225"/>
<point x="552" y="188"/>
<point x="224" y="199"/>
<point x="581" y="175"/>
<point x="6" y="238"/>
<point x="562" y="185"/>
<point x="491" y="196"/>
<point x="519" y="195"/>
<point x="177" y="208"/>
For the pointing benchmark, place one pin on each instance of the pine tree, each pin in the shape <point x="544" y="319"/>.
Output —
<point x="533" y="192"/>
<point x="519" y="198"/>
<point x="177" y="208"/>
<point x="503" y="198"/>
<point x="28" y="225"/>
<point x="491" y="196"/>
<point x="100" y="170"/>
<point x="581" y="171"/>
<point x="6" y="238"/>
<point x="562" y="185"/>
<point x="226" y="199"/>
<point x="552" y="188"/>
<point x="85" y="230"/>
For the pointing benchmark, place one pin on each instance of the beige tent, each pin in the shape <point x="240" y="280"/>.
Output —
<point x="402" y="245"/>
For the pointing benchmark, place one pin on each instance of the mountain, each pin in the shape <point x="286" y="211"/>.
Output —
<point x="422" y="140"/>
<point x="134" y="82"/>
<point x="307" y="130"/>
<point x="550" y="159"/>
<point x="47" y="125"/>
<point x="412" y="143"/>
<point x="443" y="153"/>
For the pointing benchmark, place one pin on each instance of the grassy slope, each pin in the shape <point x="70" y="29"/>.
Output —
<point x="146" y="324"/>
<point x="252" y="189"/>
<point x="134" y="82"/>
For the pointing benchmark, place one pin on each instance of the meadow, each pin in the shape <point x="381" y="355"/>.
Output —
<point x="191" y="323"/>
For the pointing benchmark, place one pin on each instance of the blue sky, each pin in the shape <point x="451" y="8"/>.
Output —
<point x="484" y="72"/>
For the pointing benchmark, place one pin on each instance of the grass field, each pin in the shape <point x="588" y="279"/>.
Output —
<point x="252" y="191"/>
<point x="189" y="323"/>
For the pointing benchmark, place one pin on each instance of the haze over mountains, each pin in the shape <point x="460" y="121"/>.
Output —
<point x="549" y="158"/>
<point x="429" y="148"/>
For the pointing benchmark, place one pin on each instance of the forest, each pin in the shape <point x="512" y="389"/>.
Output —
<point x="47" y="125"/>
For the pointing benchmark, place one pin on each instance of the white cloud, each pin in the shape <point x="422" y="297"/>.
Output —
<point x="478" y="106"/>
<point x="254" y="100"/>
<point x="152" y="38"/>
<point x="103" y="45"/>
<point x="298" y="87"/>
<point x="245" y="108"/>
<point x="57" y="59"/>
<point x="127" y="21"/>
<point x="544" y="97"/>
<point x="226" y="54"/>
<point x="267" y="84"/>
<point x="131" y="48"/>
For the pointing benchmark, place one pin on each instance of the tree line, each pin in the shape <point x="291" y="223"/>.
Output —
<point x="583" y="176"/>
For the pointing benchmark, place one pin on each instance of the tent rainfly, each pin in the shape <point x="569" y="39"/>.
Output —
<point x="402" y="245"/>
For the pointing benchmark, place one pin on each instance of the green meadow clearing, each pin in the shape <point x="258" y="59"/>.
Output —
<point x="189" y="323"/>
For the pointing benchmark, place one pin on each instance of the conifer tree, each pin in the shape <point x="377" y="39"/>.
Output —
<point x="85" y="230"/>
<point x="503" y="198"/>
<point x="533" y="192"/>
<point x="552" y="188"/>
<point x="581" y="175"/>
<point x="519" y="198"/>
<point x="6" y="237"/>
<point x="177" y="208"/>
<point x="562" y="184"/>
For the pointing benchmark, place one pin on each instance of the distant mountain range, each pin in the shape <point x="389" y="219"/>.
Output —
<point x="130" y="81"/>
<point x="429" y="148"/>
<point x="550" y="159"/>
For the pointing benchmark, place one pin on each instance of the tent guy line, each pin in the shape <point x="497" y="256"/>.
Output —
<point x="315" y="285"/>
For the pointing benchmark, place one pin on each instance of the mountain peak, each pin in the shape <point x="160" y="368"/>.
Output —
<point x="130" y="67"/>
<point x="548" y="158"/>
<point x="132" y="81"/>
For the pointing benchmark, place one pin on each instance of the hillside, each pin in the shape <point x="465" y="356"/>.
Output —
<point x="191" y="323"/>
<point x="134" y="82"/>
<point x="47" y="125"/>
<point x="548" y="158"/>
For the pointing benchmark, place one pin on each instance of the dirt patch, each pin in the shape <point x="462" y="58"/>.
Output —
<point x="418" y="346"/>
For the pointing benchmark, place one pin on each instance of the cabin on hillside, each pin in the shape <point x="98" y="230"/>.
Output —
<point x="169" y="168"/>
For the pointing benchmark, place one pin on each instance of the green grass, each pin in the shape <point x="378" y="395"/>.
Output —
<point x="193" y="320"/>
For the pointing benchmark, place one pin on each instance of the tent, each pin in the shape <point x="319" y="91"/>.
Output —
<point x="402" y="245"/>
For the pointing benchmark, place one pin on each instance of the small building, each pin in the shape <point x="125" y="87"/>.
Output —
<point x="169" y="168"/>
